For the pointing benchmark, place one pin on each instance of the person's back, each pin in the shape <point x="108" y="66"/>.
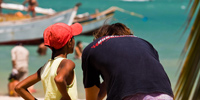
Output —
<point x="32" y="2"/>
<point x="128" y="65"/>
<point x="0" y="6"/>
<point x="48" y="73"/>
<point x="21" y="56"/>
<point x="20" y="59"/>
<point x="31" y="7"/>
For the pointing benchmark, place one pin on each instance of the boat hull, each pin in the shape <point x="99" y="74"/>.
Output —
<point x="31" y="32"/>
<point x="24" y="42"/>
<point x="91" y="25"/>
<point x="31" y="29"/>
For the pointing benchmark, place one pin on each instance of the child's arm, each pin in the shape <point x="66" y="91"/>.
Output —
<point x="67" y="67"/>
<point x="21" y="88"/>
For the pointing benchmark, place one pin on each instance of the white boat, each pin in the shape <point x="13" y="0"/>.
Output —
<point x="93" y="22"/>
<point x="30" y="31"/>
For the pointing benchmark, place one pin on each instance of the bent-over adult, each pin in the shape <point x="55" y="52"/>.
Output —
<point x="129" y="66"/>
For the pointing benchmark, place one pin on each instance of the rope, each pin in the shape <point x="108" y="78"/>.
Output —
<point x="132" y="13"/>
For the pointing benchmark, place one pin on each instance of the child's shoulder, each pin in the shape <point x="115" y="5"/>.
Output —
<point x="68" y="63"/>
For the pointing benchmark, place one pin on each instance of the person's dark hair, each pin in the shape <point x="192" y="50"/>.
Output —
<point x="13" y="77"/>
<point x="79" y="42"/>
<point x="42" y="40"/>
<point x="114" y="29"/>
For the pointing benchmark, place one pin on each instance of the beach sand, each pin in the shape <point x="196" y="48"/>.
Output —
<point x="14" y="98"/>
<point x="19" y="98"/>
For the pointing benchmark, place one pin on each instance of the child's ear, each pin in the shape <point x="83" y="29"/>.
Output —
<point x="69" y="43"/>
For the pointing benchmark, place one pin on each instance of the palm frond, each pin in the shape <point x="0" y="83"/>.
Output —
<point x="185" y="87"/>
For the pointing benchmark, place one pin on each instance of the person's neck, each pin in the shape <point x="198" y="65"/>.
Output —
<point x="63" y="55"/>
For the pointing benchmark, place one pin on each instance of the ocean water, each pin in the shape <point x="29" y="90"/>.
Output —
<point x="162" y="29"/>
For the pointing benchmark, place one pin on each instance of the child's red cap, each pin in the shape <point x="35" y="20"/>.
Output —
<point x="57" y="35"/>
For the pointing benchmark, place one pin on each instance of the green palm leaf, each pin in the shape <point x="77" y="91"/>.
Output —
<point x="188" y="84"/>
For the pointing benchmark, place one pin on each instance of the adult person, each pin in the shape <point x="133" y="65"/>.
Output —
<point x="57" y="75"/>
<point x="78" y="50"/>
<point x="31" y="6"/>
<point x="128" y="65"/>
<point x="13" y="81"/>
<point x="1" y="1"/>
<point x="20" y="59"/>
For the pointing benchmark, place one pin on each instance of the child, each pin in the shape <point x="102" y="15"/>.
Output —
<point x="57" y="75"/>
<point x="13" y="81"/>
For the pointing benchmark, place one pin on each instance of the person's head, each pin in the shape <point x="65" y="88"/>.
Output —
<point x="60" y="36"/>
<point x="13" y="77"/>
<point x="19" y="43"/>
<point x="114" y="29"/>
<point x="79" y="44"/>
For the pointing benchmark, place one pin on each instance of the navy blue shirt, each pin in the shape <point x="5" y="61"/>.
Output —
<point x="127" y="64"/>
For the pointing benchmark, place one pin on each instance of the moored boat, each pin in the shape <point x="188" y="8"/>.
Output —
<point x="92" y="22"/>
<point x="30" y="31"/>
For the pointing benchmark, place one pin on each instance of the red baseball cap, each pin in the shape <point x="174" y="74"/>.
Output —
<point x="57" y="35"/>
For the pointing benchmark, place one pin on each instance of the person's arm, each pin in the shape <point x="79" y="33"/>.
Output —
<point x="25" y="2"/>
<point x="91" y="79"/>
<point x="13" y="57"/>
<point x="95" y="93"/>
<point x="102" y="92"/>
<point x="91" y="93"/>
<point x="21" y="88"/>
<point x="67" y="67"/>
<point x="13" y="64"/>
<point x="36" y="3"/>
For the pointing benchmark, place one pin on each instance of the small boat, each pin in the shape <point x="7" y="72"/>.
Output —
<point x="30" y="30"/>
<point x="92" y="22"/>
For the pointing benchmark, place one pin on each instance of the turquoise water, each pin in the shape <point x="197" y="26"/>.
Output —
<point x="165" y="18"/>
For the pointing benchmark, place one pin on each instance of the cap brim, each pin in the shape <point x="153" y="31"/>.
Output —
<point x="76" y="29"/>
